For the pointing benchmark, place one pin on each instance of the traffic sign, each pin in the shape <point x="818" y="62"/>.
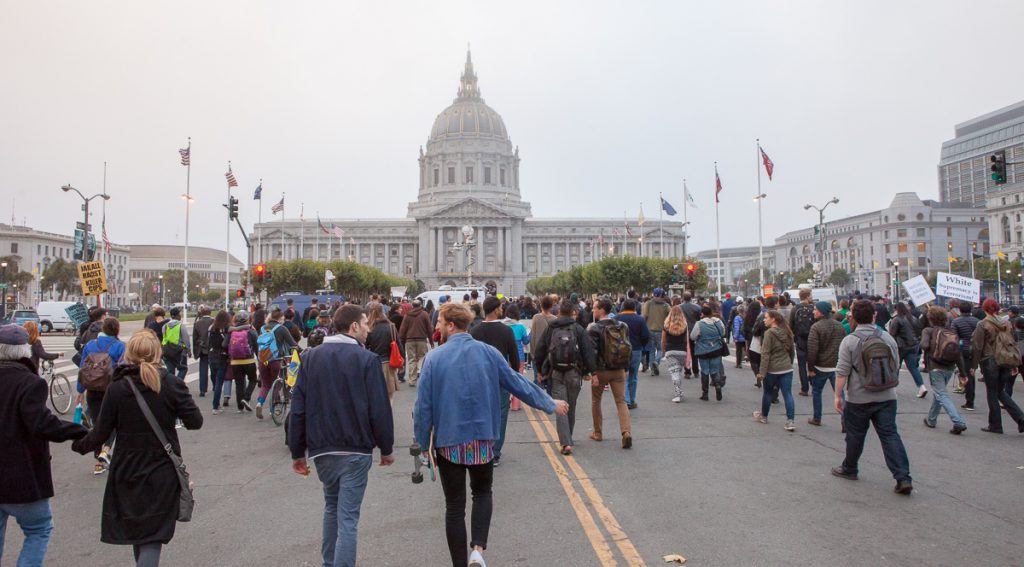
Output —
<point x="83" y="226"/>
<point x="3" y="286"/>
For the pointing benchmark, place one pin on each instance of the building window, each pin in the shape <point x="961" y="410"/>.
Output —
<point x="487" y="175"/>
<point x="888" y="249"/>
<point x="1006" y="229"/>
<point x="501" y="175"/>
<point x="920" y="216"/>
<point x="469" y="174"/>
<point x="949" y="219"/>
<point x="437" y="176"/>
<point x="921" y="262"/>
<point x="920" y="232"/>
<point x="14" y="248"/>
<point x="39" y="249"/>
<point x="949" y="231"/>
<point x="451" y="175"/>
<point x="885" y="235"/>
<point x="901" y="233"/>
<point x="920" y="246"/>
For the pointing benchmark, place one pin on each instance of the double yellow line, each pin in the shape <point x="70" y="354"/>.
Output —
<point x="607" y="558"/>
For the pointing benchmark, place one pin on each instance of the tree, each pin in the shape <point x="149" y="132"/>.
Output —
<point x="618" y="274"/>
<point x="839" y="278"/>
<point x="63" y="276"/>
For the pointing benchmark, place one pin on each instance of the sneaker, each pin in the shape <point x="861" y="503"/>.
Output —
<point x="1020" y="426"/>
<point x="790" y="426"/>
<point x="804" y="393"/>
<point x="99" y="468"/>
<point x="178" y="424"/>
<point x="677" y="399"/>
<point x="227" y="402"/>
<point x="958" y="390"/>
<point x="958" y="429"/>
<point x="928" y="424"/>
<point x="627" y="441"/>
<point x="496" y="462"/>
<point x="814" y="421"/>
<point x="655" y="371"/>
<point x="607" y="388"/>
<point x="643" y="368"/>
<point x="968" y="407"/>
<point x="239" y="410"/>
<point x="631" y="406"/>
<point x="217" y="411"/>
<point x="843" y="473"/>
<point x="476" y="560"/>
<point x="922" y="391"/>
<point x="760" y="418"/>
<point x="104" y="456"/>
<point x="246" y="406"/>
<point x="202" y="394"/>
<point x="259" y="412"/>
<point x="990" y="430"/>
<point x="904" y="487"/>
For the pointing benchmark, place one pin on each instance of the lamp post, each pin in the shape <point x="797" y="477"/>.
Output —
<point x="896" y="279"/>
<point x="760" y="243"/>
<point x="187" y="197"/>
<point x="163" y="296"/>
<point x="3" y="291"/>
<point x="85" y="225"/>
<point x="821" y="232"/>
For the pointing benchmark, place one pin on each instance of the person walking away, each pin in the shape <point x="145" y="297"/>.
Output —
<point x="323" y="329"/>
<point x="26" y="429"/>
<point x="822" y="355"/>
<point x="739" y="340"/>
<point x="655" y="312"/>
<point x="201" y="340"/>
<point x="538" y="325"/>
<point x="675" y="345"/>
<point x="867" y="370"/>
<point x="613" y="353"/>
<point x="639" y="335"/>
<point x="994" y="350"/>
<point x="275" y="345"/>
<point x="175" y="344"/>
<point x="415" y="333"/>
<point x="218" y="356"/>
<point x="567" y="357"/>
<point x="151" y="317"/>
<point x="882" y="315"/>
<point x="378" y="341"/>
<point x="241" y="346"/>
<point x="38" y="351"/>
<point x="753" y="342"/>
<point x="88" y="331"/>
<point x="777" y="368"/>
<point x="493" y="331"/>
<point x="708" y="337"/>
<point x="692" y="313"/>
<point x="140" y="504"/>
<point x="99" y="359"/>
<point x="727" y="312"/>
<point x="340" y="412"/>
<point x="941" y="354"/>
<point x="314" y="305"/>
<point x="964" y="326"/>
<point x="457" y="415"/>
<point x="907" y="332"/>
<point x="801" y="318"/>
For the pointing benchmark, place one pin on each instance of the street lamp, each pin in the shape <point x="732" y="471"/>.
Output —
<point x="821" y="231"/>
<point x="163" y="296"/>
<point x="3" y="289"/>
<point x="85" y="225"/>
<point x="760" y="244"/>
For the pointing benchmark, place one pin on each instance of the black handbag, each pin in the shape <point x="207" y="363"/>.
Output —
<point x="186" y="501"/>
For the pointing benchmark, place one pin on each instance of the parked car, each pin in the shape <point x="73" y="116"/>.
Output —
<point x="20" y="316"/>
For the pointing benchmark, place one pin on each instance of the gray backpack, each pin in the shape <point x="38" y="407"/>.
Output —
<point x="876" y="366"/>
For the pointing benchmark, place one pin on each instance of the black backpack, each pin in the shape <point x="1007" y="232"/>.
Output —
<point x="563" y="349"/>
<point x="804" y="318"/>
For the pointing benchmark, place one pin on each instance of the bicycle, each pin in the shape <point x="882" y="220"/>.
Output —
<point x="59" y="386"/>
<point x="280" y="395"/>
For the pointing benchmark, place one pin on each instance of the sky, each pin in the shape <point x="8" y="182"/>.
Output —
<point x="610" y="104"/>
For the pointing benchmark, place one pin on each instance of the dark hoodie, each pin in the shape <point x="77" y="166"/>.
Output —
<point x="415" y="326"/>
<point x="588" y="359"/>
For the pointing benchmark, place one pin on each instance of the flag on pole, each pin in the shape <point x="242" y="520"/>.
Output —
<point x="302" y="211"/>
<point x="669" y="209"/>
<point x="951" y="260"/>
<point x="278" y="207"/>
<point x="338" y="231"/>
<point x="184" y="155"/>
<point x="689" y="197"/>
<point x="232" y="182"/>
<point x="1000" y="255"/>
<point x="321" y="225"/>
<point x="106" y="241"/>
<point x="718" y="184"/>
<point x="616" y="233"/>
<point x="769" y="165"/>
<point x="640" y="217"/>
<point x="258" y="194"/>
<point x="628" y="232"/>
<point x="600" y="237"/>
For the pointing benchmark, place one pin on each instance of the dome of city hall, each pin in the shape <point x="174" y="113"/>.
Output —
<point x="468" y="115"/>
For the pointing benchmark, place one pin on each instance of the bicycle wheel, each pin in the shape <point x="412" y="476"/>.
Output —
<point x="60" y="393"/>
<point x="278" y="402"/>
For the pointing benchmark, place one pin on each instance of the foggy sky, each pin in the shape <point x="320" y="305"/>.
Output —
<point x="610" y="103"/>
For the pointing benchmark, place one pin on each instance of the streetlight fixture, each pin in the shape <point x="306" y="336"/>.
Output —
<point x="85" y="225"/>
<point x="821" y="231"/>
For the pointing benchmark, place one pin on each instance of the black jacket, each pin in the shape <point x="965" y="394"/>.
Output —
<point x="379" y="340"/>
<point x="588" y="359"/>
<point x="26" y="429"/>
<point x="906" y="333"/>
<point x="140" y="504"/>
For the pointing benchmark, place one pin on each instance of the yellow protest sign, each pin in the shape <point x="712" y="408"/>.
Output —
<point x="93" y="278"/>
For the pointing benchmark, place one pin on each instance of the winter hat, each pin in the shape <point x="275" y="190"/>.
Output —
<point x="13" y="335"/>
<point x="824" y="307"/>
<point x="242" y="317"/>
<point x="658" y="292"/>
<point x="442" y="299"/>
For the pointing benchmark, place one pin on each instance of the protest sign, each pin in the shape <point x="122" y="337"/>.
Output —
<point x="919" y="290"/>
<point x="958" y="287"/>
<point x="93" y="278"/>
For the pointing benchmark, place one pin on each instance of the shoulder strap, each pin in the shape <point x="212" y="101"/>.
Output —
<point x="149" y="417"/>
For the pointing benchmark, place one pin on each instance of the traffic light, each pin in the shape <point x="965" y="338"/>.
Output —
<point x="259" y="273"/>
<point x="691" y="270"/>
<point x="232" y="208"/>
<point x="240" y="293"/>
<point x="998" y="167"/>
<point x="675" y="273"/>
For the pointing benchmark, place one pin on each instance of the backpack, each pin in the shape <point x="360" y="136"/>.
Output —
<point x="878" y="368"/>
<point x="172" y="341"/>
<point x="945" y="347"/>
<point x="1005" y="346"/>
<point x="97" y="370"/>
<point x="267" y="344"/>
<point x="564" y="352"/>
<point x="316" y="337"/>
<point x="616" y="350"/>
<point x="238" y="345"/>
<point x="804" y="319"/>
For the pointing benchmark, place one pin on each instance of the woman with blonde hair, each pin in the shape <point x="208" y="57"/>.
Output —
<point x="674" y="344"/>
<point x="140" y="505"/>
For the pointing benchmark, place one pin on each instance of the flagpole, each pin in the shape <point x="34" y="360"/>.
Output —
<point x="103" y="223"/>
<point x="686" y="216"/>
<point x="188" y="206"/>
<point x="259" y="233"/>
<point x="718" y="243"/>
<point x="227" y="250"/>
<point x="283" y="258"/>
<point x="625" y="231"/>
<point x="640" y="239"/>
<point x="316" y="255"/>
<point x="302" y="228"/>
<point x="760" y="232"/>
<point x="661" y="224"/>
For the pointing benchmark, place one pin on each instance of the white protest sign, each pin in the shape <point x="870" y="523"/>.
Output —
<point x="919" y="290"/>
<point x="958" y="287"/>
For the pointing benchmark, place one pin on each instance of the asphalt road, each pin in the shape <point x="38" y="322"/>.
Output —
<point x="703" y="480"/>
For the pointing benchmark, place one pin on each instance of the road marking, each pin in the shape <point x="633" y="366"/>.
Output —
<point x="597" y="540"/>
<point x="620" y="538"/>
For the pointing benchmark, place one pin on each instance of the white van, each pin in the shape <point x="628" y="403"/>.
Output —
<point x="52" y="316"/>
<point x="454" y="293"/>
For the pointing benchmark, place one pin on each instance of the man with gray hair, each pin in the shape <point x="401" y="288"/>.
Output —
<point x="27" y="427"/>
<point x="415" y="333"/>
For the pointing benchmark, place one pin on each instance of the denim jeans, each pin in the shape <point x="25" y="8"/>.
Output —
<point x="939" y="377"/>
<point x="631" y="379"/>
<point x="175" y="367"/>
<point x="36" y="523"/>
<point x="218" y="369"/>
<point x="506" y="404"/>
<point x="344" y="478"/>
<point x="204" y="373"/>
<point x="710" y="366"/>
<point x="912" y="358"/>
<point x="882" y="415"/>
<point x="818" y="386"/>
<point x="774" y="383"/>
<point x="995" y="390"/>
<point x="655" y="348"/>
<point x="801" y="363"/>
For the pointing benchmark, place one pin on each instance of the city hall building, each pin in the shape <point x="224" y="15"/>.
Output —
<point x="468" y="177"/>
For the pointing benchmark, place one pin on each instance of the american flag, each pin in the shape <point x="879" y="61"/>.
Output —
<point x="278" y="207"/>
<point x="616" y="233"/>
<point x="628" y="232"/>
<point x="106" y="241"/>
<point x="232" y="182"/>
<point x="321" y="224"/>
<point x="769" y="165"/>
<point x="184" y="155"/>
<point x="718" y="184"/>
<point x="338" y="231"/>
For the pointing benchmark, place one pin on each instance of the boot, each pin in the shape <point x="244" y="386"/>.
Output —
<point x="718" y="393"/>
<point x="704" y="386"/>
<point x="654" y="370"/>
